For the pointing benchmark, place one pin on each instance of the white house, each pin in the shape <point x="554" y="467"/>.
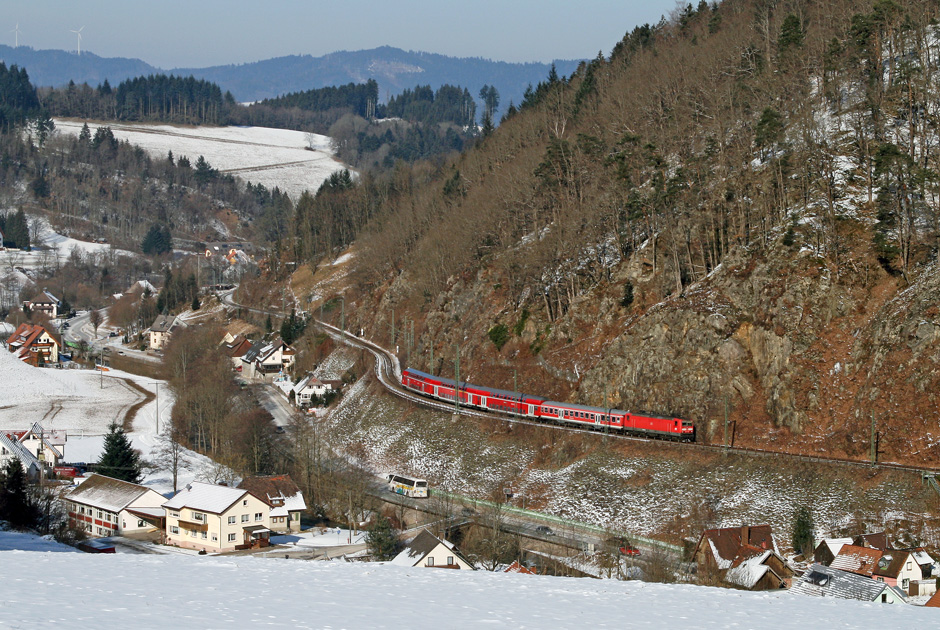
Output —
<point x="47" y="446"/>
<point x="283" y="497"/>
<point x="427" y="550"/>
<point x="217" y="518"/>
<point x="10" y="448"/>
<point x="268" y="357"/>
<point x="45" y="302"/>
<point x="104" y="506"/>
<point x="162" y="329"/>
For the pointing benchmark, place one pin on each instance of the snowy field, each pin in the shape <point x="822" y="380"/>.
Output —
<point x="145" y="591"/>
<point x="75" y="401"/>
<point x="272" y="157"/>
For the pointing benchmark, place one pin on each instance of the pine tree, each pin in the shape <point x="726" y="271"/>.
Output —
<point x="15" y="505"/>
<point x="119" y="459"/>
<point x="382" y="540"/>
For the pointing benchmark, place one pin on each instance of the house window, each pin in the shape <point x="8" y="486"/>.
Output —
<point x="174" y="529"/>
<point x="99" y="514"/>
<point x="204" y="535"/>
<point x="259" y="516"/>
<point x="199" y="516"/>
<point x="908" y="566"/>
<point x="430" y="561"/>
<point x="175" y="514"/>
<point x="244" y="518"/>
<point x="215" y="537"/>
<point x="140" y="522"/>
<point x="231" y="520"/>
<point x="231" y="537"/>
<point x="450" y="560"/>
<point x="884" y="598"/>
<point x="245" y="502"/>
<point x="905" y="583"/>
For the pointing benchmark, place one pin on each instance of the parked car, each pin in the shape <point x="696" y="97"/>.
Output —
<point x="544" y="530"/>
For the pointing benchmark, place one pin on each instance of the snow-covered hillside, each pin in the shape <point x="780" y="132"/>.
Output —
<point x="293" y="161"/>
<point x="247" y="592"/>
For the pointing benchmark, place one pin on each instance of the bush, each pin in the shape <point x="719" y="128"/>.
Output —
<point x="499" y="335"/>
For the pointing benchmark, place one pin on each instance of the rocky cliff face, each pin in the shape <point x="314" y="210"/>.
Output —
<point x="799" y="351"/>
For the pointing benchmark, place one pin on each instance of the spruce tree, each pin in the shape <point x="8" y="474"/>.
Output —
<point x="803" y="531"/>
<point x="119" y="459"/>
<point x="15" y="505"/>
<point x="382" y="540"/>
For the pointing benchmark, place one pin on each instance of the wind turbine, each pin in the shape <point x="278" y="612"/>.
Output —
<point x="17" y="31"/>
<point x="78" y="33"/>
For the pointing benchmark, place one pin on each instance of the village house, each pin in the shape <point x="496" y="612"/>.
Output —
<point x="48" y="446"/>
<point x="10" y="448"/>
<point x="745" y="556"/>
<point x="895" y="568"/>
<point x="266" y="358"/>
<point x="828" y="548"/>
<point x="282" y="495"/>
<point x="304" y="391"/>
<point x="34" y="345"/>
<point x="235" y="348"/>
<point x="162" y="329"/>
<point x="427" y="550"/>
<point x="823" y="581"/>
<point x="103" y="506"/>
<point x="214" y="518"/>
<point x="44" y="302"/>
<point x="874" y="540"/>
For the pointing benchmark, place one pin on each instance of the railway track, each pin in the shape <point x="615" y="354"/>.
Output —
<point x="388" y="373"/>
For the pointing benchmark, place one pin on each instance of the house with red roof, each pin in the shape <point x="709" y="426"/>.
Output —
<point x="747" y="557"/>
<point x="893" y="567"/>
<point x="34" y="344"/>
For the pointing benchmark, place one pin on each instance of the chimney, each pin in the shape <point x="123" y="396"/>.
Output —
<point x="745" y="534"/>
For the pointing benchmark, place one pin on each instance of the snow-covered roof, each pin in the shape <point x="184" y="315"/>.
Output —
<point x="823" y="581"/>
<point x="835" y="544"/>
<point x="921" y="557"/>
<point x="205" y="497"/>
<point x="422" y="544"/>
<point x="278" y="491"/>
<point x="18" y="451"/>
<point x="106" y="493"/>
<point x="748" y="571"/>
<point x="293" y="503"/>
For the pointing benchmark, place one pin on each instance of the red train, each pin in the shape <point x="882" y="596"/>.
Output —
<point x="519" y="404"/>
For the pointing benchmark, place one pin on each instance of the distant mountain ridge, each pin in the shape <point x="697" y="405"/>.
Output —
<point x="393" y="68"/>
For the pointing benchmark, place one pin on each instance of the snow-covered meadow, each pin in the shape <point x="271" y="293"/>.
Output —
<point x="145" y="591"/>
<point x="83" y="403"/>
<point x="293" y="161"/>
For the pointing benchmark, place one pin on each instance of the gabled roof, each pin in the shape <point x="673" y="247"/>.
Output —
<point x="44" y="297"/>
<point x="891" y="563"/>
<point x="18" y="451"/>
<point x="724" y="543"/>
<point x="934" y="602"/>
<point x="823" y="581"/>
<point x="855" y="559"/>
<point x="24" y="337"/>
<point x="278" y="491"/>
<point x="921" y="557"/>
<point x="237" y="347"/>
<point x="875" y="540"/>
<point x="834" y="544"/>
<point x="166" y="323"/>
<point x="254" y="351"/>
<point x="107" y="493"/>
<point x="205" y="497"/>
<point x="37" y="431"/>
<point x="423" y="544"/>
<point x="515" y="567"/>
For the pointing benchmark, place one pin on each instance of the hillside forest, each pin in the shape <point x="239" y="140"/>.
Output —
<point x="735" y="218"/>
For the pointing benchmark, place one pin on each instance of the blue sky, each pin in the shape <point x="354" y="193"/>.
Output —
<point x="196" y="33"/>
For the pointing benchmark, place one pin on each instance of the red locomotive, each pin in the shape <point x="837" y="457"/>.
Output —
<point x="536" y="407"/>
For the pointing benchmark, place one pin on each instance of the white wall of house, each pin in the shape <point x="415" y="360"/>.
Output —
<point x="222" y="532"/>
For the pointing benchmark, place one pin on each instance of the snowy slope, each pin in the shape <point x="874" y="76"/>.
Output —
<point x="273" y="157"/>
<point x="247" y="592"/>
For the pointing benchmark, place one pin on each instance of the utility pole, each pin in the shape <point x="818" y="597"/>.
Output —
<point x="342" y="317"/>
<point x="431" y="367"/>
<point x="393" y="327"/>
<point x="515" y="387"/>
<point x="158" y="407"/>
<point x="726" y="421"/>
<point x="874" y="451"/>
<point x="457" y="380"/>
